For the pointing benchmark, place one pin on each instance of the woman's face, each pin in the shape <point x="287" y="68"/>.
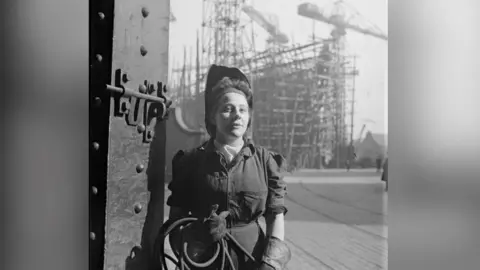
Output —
<point x="232" y="116"/>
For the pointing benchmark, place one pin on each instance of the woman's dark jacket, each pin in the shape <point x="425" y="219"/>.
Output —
<point x="250" y="186"/>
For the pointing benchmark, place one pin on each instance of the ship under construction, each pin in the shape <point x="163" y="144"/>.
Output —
<point x="303" y="93"/>
<point x="301" y="103"/>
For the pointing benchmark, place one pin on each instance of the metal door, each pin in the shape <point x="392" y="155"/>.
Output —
<point x="128" y="72"/>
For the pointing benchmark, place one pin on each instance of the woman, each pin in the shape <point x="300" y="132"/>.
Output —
<point x="228" y="172"/>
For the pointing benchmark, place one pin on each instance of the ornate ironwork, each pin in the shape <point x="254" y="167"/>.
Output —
<point x="140" y="107"/>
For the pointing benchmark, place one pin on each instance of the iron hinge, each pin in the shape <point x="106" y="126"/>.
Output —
<point x="141" y="107"/>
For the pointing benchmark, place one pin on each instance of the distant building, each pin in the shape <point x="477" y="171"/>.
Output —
<point x="374" y="145"/>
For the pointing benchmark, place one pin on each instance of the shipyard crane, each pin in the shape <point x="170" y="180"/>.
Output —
<point x="354" y="145"/>
<point x="343" y="17"/>
<point x="266" y="23"/>
<point x="361" y="133"/>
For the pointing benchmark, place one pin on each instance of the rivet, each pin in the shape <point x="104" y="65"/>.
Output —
<point x="145" y="12"/>
<point x="92" y="235"/>
<point x="98" y="101"/>
<point x="94" y="190"/>
<point x="143" y="50"/>
<point x="140" y="168"/>
<point x="99" y="58"/>
<point x="142" y="88"/>
<point x="137" y="208"/>
<point x="96" y="145"/>
<point x="101" y="15"/>
<point x="141" y="128"/>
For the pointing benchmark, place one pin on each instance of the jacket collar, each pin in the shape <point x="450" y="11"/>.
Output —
<point x="248" y="147"/>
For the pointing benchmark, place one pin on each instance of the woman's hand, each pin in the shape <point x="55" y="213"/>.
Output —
<point x="217" y="224"/>
<point x="276" y="256"/>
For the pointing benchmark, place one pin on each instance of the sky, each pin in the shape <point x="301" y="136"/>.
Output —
<point x="371" y="86"/>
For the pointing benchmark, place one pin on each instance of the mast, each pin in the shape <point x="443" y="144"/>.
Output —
<point x="197" y="69"/>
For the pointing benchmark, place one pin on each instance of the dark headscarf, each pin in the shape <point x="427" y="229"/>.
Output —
<point x="215" y="74"/>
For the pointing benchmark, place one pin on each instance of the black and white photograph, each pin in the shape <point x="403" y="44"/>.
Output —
<point x="239" y="134"/>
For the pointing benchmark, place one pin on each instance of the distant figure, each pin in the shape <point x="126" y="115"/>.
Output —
<point x="385" y="174"/>
<point x="379" y="163"/>
<point x="348" y="163"/>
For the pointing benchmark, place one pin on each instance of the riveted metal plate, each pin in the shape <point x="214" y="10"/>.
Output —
<point x="136" y="170"/>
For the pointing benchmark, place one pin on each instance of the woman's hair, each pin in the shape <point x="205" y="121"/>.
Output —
<point x="227" y="82"/>
<point x="218" y="90"/>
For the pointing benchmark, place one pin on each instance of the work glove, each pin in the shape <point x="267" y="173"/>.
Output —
<point x="276" y="255"/>
<point x="264" y="266"/>
<point x="216" y="224"/>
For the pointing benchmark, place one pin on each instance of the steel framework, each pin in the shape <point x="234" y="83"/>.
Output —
<point x="300" y="102"/>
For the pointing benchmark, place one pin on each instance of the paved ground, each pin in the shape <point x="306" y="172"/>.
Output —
<point x="337" y="221"/>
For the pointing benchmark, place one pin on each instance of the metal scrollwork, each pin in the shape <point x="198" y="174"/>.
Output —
<point x="141" y="108"/>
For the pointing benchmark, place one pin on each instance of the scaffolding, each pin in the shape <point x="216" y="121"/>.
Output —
<point x="302" y="92"/>
<point x="222" y="32"/>
<point x="287" y="92"/>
